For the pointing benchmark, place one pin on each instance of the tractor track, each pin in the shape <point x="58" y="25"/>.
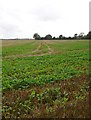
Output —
<point x="34" y="52"/>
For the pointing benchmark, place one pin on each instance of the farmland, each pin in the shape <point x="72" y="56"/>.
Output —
<point x="45" y="78"/>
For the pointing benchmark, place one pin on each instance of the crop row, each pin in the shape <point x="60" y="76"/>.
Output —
<point x="20" y="73"/>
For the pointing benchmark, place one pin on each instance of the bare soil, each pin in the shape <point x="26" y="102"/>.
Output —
<point x="77" y="105"/>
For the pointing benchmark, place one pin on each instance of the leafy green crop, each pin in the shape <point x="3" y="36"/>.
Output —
<point x="36" y="79"/>
<point x="21" y="73"/>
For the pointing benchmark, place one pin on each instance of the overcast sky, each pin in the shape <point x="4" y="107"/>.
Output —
<point x="23" y="18"/>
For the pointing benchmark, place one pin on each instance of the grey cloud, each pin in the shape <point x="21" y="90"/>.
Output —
<point x="47" y="13"/>
<point x="9" y="30"/>
<point x="24" y="17"/>
<point x="48" y="16"/>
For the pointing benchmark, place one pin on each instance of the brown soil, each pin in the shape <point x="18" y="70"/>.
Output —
<point x="73" y="108"/>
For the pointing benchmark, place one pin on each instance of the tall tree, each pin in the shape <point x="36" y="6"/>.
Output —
<point x="36" y="36"/>
<point x="60" y="36"/>
<point x="81" y="35"/>
<point x="89" y="35"/>
<point x="75" y="36"/>
<point x="48" y="37"/>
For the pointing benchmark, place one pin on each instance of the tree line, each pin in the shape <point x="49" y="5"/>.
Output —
<point x="36" y="36"/>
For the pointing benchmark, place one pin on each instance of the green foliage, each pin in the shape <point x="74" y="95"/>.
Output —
<point x="19" y="49"/>
<point x="34" y="86"/>
<point x="21" y="73"/>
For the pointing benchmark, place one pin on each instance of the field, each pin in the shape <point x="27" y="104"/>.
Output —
<point x="45" y="78"/>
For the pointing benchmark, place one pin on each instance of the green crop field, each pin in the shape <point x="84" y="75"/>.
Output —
<point x="45" y="78"/>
